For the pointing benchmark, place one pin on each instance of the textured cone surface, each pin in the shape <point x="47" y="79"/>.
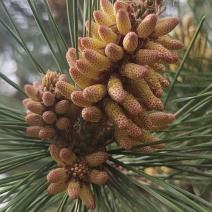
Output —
<point x="96" y="59"/>
<point x="74" y="190"/>
<point x="106" y="34"/>
<point x="147" y="137"/>
<point x="115" y="89"/>
<point x="122" y="138"/>
<point x="114" y="52"/>
<point x="62" y="107"/>
<point x="32" y="92"/>
<point x="147" y="26"/>
<point x="98" y="177"/>
<point x="119" y="5"/>
<point x="33" y="131"/>
<point x="145" y="56"/>
<point x="34" y="120"/>
<point x="87" y="69"/>
<point x="86" y="196"/>
<point x="160" y="68"/>
<point x="65" y="88"/>
<point x="169" y="43"/>
<point x="130" y="42"/>
<point x="48" y="98"/>
<point x="116" y="114"/>
<point x="134" y="71"/>
<point x="57" y="175"/>
<point x="56" y="188"/>
<point x="73" y="111"/>
<point x="47" y="132"/>
<point x="25" y="101"/>
<point x="165" y="25"/>
<point x="132" y="105"/>
<point x="55" y="153"/>
<point x="92" y="43"/>
<point x="78" y="99"/>
<point x="133" y="130"/>
<point x="80" y="79"/>
<point x="94" y="29"/>
<point x="143" y="120"/>
<point x="35" y="107"/>
<point x="63" y="77"/>
<point x="97" y="158"/>
<point x="92" y="114"/>
<point x="167" y="58"/>
<point x="102" y="19"/>
<point x="49" y="117"/>
<point x="161" y="118"/>
<point x="80" y="46"/>
<point x="106" y="7"/>
<point x="95" y="93"/>
<point x="123" y="22"/>
<point x="63" y="123"/>
<point x="67" y="156"/>
<point x="156" y="46"/>
<point x="71" y="57"/>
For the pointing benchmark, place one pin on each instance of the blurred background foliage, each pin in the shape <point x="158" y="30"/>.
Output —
<point x="191" y="96"/>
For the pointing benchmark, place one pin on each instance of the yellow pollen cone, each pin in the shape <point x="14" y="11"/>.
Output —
<point x="115" y="89"/>
<point x="102" y="19"/>
<point x="119" y="5"/>
<point x="96" y="158"/>
<point x="67" y="156"/>
<point x="80" y="79"/>
<point x="96" y="59"/>
<point x="65" y="89"/>
<point x="122" y="138"/>
<point x="114" y="52"/>
<point x="133" y="130"/>
<point x="95" y="93"/>
<point x="116" y="114"/>
<point x="74" y="189"/>
<point x="146" y="56"/>
<point x="123" y="21"/>
<point x="92" y="43"/>
<point x="94" y="29"/>
<point x="107" y="35"/>
<point x="71" y="56"/>
<point x="156" y="46"/>
<point x="78" y="99"/>
<point x="130" y="42"/>
<point x="160" y="68"/>
<point x="147" y="26"/>
<point x="92" y="114"/>
<point x="169" y="43"/>
<point x="134" y="71"/>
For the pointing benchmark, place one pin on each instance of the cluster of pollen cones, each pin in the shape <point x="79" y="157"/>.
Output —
<point x="119" y="79"/>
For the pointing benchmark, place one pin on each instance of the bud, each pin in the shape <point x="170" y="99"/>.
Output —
<point x="116" y="114"/>
<point x="74" y="189"/>
<point x="107" y="35"/>
<point x="94" y="29"/>
<point x="87" y="69"/>
<point x="92" y="43"/>
<point x="165" y="25"/>
<point x="133" y="130"/>
<point x="65" y="88"/>
<point x="32" y="92"/>
<point x="56" y="188"/>
<point x="98" y="177"/>
<point x="96" y="158"/>
<point x="86" y="196"/>
<point x="130" y="42"/>
<point x="94" y="93"/>
<point x="80" y="79"/>
<point x="55" y="153"/>
<point x="78" y="99"/>
<point x="115" y="89"/>
<point x="102" y="19"/>
<point x="57" y="175"/>
<point x="49" y="117"/>
<point x="33" y="131"/>
<point x="46" y="132"/>
<point x="48" y="98"/>
<point x="61" y="107"/>
<point x="132" y="105"/>
<point x="63" y="123"/>
<point x="122" y="138"/>
<point x="35" y="107"/>
<point x="92" y="114"/>
<point x="123" y="21"/>
<point x="34" y="120"/>
<point x="133" y="71"/>
<point x="67" y="156"/>
<point x="114" y="52"/>
<point x="147" y="26"/>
